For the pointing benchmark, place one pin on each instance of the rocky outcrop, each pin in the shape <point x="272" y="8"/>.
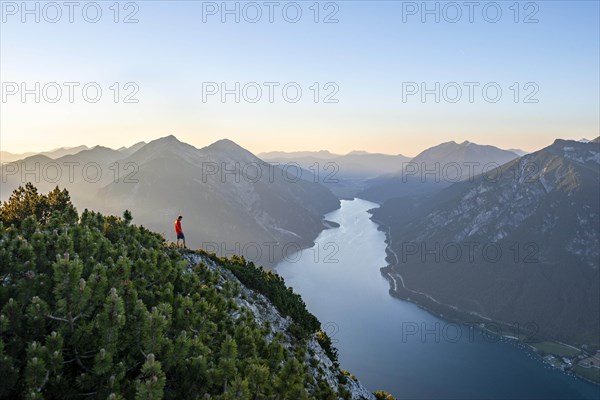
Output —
<point x="266" y="315"/>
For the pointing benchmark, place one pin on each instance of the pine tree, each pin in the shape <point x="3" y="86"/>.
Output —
<point x="23" y="202"/>
<point x="151" y="383"/>
<point x="226" y="369"/>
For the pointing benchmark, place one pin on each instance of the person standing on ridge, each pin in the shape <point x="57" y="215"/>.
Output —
<point x="179" y="231"/>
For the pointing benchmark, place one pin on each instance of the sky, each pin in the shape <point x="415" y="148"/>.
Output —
<point x="358" y="75"/>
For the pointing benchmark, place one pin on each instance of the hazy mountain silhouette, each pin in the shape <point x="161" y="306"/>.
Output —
<point x="542" y="212"/>
<point x="354" y="164"/>
<point x="82" y="173"/>
<point x="519" y="152"/>
<point x="131" y="149"/>
<point x="227" y="195"/>
<point x="5" y="156"/>
<point x="436" y="168"/>
<point x="321" y="154"/>
<point x="345" y="174"/>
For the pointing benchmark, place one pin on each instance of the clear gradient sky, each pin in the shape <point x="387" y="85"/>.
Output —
<point x="368" y="54"/>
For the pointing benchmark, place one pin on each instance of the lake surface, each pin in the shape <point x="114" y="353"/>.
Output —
<point x="392" y="344"/>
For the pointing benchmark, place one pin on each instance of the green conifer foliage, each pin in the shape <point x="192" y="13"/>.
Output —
<point x="94" y="307"/>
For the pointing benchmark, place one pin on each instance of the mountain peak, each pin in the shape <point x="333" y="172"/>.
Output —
<point x="99" y="148"/>
<point x="164" y="147"/>
<point x="445" y="144"/>
<point x="563" y="141"/>
<point x="229" y="149"/>
<point x="168" y="139"/>
<point x="225" y="145"/>
<point x="464" y="152"/>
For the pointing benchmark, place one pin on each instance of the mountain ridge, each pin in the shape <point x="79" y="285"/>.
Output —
<point x="231" y="200"/>
<point x="434" y="169"/>
<point x="546" y="204"/>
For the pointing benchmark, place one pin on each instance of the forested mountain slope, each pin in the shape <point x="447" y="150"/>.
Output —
<point x="92" y="306"/>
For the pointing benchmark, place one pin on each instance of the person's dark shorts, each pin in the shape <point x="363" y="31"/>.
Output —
<point x="180" y="236"/>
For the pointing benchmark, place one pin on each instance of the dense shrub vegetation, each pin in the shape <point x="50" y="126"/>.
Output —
<point x="92" y="306"/>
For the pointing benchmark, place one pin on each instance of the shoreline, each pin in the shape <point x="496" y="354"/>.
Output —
<point x="450" y="312"/>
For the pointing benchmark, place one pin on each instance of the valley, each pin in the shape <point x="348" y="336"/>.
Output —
<point x="475" y="256"/>
<point x="396" y="344"/>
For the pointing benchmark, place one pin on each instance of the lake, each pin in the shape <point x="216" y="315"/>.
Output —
<point x="394" y="345"/>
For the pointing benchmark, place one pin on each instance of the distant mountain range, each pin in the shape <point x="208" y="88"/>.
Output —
<point x="132" y="149"/>
<point x="356" y="164"/>
<point x="434" y="169"/>
<point x="520" y="245"/>
<point x="345" y="174"/>
<point x="5" y="156"/>
<point x="518" y="152"/>
<point x="321" y="155"/>
<point x="232" y="201"/>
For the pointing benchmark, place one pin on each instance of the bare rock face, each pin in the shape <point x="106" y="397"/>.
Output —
<point x="265" y="314"/>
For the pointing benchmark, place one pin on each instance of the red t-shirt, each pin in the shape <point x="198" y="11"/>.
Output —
<point x="178" y="227"/>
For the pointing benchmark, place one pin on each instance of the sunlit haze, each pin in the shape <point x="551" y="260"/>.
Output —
<point x="369" y="56"/>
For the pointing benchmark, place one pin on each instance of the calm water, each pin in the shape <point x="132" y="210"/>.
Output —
<point x="392" y="344"/>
